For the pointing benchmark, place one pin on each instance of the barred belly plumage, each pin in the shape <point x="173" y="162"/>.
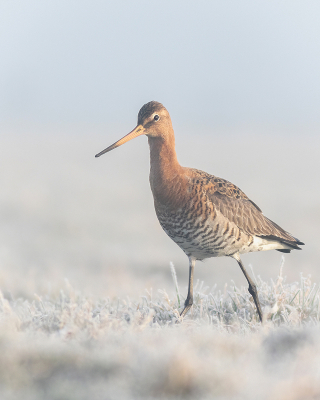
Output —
<point x="201" y="237"/>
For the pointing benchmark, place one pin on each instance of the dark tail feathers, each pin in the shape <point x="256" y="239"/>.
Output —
<point x="294" y="244"/>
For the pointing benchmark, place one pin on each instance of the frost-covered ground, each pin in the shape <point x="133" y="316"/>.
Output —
<point x="72" y="346"/>
<point x="111" y="333"/>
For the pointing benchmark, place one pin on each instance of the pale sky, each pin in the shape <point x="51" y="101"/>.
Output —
<point x="217" y="62"/>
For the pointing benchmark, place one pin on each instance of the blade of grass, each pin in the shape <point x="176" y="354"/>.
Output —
<point x="175" y="281"/>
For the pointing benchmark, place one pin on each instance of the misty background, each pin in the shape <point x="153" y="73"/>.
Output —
<point x="241" y="81"/>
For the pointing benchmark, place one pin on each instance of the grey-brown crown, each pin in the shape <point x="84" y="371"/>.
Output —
<point x="148" y="109"/>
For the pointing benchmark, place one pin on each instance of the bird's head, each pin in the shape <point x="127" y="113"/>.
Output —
<point x="153" y="121"/>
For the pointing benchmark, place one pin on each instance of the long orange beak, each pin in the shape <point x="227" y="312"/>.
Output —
<point x="138" y="131"/>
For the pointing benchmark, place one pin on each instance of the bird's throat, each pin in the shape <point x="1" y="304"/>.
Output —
<point x="165" y="170"/>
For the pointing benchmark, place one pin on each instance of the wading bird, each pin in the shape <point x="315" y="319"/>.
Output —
<point x="204" y="215"/>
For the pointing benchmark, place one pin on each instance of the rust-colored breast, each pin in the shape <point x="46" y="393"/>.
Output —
<point x="190" y="218"/>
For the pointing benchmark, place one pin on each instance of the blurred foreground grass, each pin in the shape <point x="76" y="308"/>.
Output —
<point x="72" y="346"/>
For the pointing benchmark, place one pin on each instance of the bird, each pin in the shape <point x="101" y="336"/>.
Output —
<point x="204" y="215"/>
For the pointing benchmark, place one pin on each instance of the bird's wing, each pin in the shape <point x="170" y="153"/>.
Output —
<point x="235" y="205"/>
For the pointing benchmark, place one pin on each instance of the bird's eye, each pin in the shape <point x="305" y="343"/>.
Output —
<point x="156" y="117"/>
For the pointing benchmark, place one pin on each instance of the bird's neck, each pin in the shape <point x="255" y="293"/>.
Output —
<point x="164" y="166"/>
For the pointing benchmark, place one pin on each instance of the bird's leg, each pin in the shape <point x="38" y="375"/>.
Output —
<point x="189" y="301"/>
<point x="252" y="287"/>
